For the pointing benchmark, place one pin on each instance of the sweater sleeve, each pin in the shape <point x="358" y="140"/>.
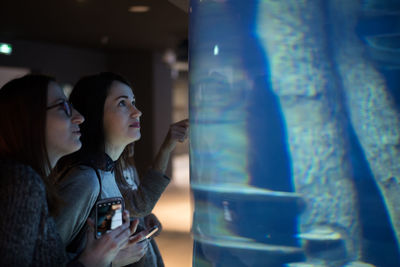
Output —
<point x="23" y="201"/>
<point x="78" y="189"/>
<point x="142" y="200"/>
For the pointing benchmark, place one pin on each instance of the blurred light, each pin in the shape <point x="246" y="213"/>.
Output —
<point x="5" y="49"/>
<point x="104" y="40"/>
<point x="180" y="66"/>
<point x="67" y="88"/>
<point x="139" y="9"/>
<point x="169" y="57"/>
<point x="216" y="50"/>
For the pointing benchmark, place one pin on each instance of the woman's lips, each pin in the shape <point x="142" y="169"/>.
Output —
<point x="135" y="125"/>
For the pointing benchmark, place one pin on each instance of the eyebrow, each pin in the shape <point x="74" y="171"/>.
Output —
<point x="123" y="96"/>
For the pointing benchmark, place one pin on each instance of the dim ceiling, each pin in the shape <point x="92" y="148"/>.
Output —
<point x="104" y="24"/>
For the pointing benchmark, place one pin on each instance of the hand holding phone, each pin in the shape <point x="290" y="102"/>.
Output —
<point x="108" y="215"/>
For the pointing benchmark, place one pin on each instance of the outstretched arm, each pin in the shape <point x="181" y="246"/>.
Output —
<point x="141" y="200"/>
<point x="178" y="132"/>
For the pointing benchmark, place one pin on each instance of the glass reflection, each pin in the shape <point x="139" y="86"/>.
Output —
<point x="295" y="132"/>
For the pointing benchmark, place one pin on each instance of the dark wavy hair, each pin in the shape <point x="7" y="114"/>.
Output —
<point x="23" y="106"/>
<point x="88" y="97"/>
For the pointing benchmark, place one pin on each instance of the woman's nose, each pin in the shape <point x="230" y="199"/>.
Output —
<point x="77" y="117"/>
<point x="136" y="113"/>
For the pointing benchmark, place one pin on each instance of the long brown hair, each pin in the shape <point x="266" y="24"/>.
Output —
<point x="23" y="105"/>
<point x="88" y="96"/>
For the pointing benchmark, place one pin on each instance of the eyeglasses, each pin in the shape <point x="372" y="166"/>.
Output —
<point x="65" y="105"/>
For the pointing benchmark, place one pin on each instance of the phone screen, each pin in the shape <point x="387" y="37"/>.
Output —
<point x="151" y="231"/>
<point x="108" y="216"/>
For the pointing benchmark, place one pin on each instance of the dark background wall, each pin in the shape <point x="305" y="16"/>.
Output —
<point x="66" y="63"/>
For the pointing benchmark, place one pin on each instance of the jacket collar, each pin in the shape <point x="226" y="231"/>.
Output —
<point x="101" y="161"/>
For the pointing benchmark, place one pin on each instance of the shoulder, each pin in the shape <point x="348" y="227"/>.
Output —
<point x="80" y="176"/>
<point x="21" y="180"/>
<point x="15" y="173"/>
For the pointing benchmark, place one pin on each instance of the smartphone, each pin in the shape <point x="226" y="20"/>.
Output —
<point x="108" y="215"/>
<point x="149" y="233"/>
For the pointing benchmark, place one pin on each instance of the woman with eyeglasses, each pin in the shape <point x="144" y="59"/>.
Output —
<point x="38" y="127"/>
<point x="112" y="123"/>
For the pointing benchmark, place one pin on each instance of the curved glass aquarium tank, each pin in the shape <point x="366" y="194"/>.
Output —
<point x="295" y="132"/>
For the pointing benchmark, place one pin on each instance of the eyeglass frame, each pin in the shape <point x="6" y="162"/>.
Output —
<point x="66" y="105"/>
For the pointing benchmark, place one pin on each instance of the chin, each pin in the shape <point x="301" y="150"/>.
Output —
<point x="134" y="138"/>
<point x="76" y="146"/>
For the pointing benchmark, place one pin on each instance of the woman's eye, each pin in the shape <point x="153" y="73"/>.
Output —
<point x="134" y="103"/>
<point x="122" y="103"/>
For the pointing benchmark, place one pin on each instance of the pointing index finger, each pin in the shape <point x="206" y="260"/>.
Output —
<point x="184" y="122"/>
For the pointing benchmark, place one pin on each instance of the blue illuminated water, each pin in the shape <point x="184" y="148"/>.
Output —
<point x="295" y="132"/>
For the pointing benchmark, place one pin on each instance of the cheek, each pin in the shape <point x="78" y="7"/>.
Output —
<point x="55" y="136"/>
<point x="113" y="126"/>
<point x="111" y="129"/>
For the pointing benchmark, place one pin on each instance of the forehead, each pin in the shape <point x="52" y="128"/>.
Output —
<point x="120" y="89"/>
<point x="54" y="92"/>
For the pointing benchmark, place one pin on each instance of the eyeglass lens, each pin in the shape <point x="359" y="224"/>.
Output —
<point x="67" y="108"/>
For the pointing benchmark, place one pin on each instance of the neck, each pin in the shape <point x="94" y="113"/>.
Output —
<point x="114" y="152"/>
<point x="53" y="161"/>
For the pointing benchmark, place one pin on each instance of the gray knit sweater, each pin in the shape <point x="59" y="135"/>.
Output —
<point x="28" y="234"/>
<point x="79" y="188"/>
